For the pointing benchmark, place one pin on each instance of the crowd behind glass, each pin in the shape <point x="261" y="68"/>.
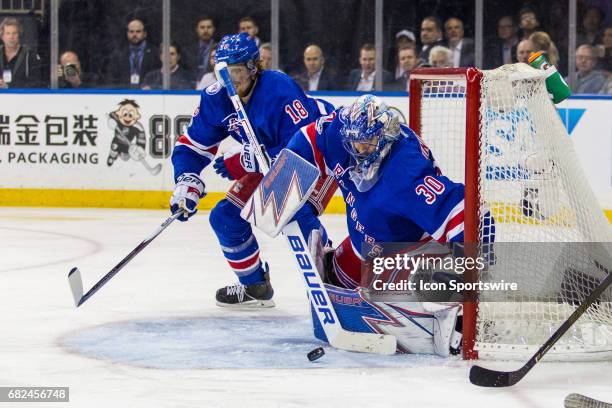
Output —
<point x="434" y="40"/>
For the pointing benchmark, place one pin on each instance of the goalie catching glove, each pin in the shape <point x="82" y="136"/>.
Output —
<point x="187" y="193"/>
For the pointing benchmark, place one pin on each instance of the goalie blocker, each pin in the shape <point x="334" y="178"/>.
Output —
<point x="281" y="193"/>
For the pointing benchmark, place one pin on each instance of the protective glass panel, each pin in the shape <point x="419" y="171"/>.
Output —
<point x="196" y="27"/>
<point x="412" y="30"/>
<point x="109" y="44"/>
<point x="513" y="29"/>
<point x="325" y="56"/>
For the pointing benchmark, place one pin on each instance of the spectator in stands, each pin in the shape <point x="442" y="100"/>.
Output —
<point x="197" y="55"/>
<point x="462" y="48"/>
<point x="363" y="79"/>
<point x="70" y="73"/>
<point x="129" y="65"/>
<point x="524" y="50"/>
<point x="408" y="59"/>
<point x="403" y="39"/>
<point x="541" y="42"/>
<point x="588" y="79"/>
<point x="265" y="55"/>
<point x="316" y="76"/>
<point x="249" y="25"/>
<point x="590" y="30"/>
<point x="503" y="50"/>
<point x="607" y="53"/>
<point x="528" y="22"/>
<point x="179" y="76"/>
<point x="209" y="78"/>
<point x="607" y="88"/>
<point x="441" y="57"/>
<point x="19" y="66"/>
<point x="431" y="35"/>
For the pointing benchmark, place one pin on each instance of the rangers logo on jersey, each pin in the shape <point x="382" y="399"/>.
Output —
<point x="338" y="171"/>
<point x="213" y="88"/>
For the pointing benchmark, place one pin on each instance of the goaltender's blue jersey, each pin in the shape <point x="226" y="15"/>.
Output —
<point x="278" y="107"/>
<point x="411" y="201"/>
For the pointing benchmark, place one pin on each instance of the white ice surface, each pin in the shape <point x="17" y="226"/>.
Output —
<point x="153" y="337"/>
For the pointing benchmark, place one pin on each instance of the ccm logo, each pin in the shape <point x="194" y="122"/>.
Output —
<point x="316" y="292"/>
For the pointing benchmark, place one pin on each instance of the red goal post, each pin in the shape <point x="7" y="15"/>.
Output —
<point x="471" y="222"/>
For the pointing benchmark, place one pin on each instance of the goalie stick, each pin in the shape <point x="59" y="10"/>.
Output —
<point x="74" y="276"/>
<point x="319" y="299"/>
<point x="580" y="401"/>
<point x="485" y="377"/>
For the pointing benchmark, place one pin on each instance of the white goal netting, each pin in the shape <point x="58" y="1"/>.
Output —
<point x="551" y="236"/>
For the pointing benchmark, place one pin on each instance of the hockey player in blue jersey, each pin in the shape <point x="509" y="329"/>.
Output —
<point x="392" y="187"/>
<point x="277" y="108"/>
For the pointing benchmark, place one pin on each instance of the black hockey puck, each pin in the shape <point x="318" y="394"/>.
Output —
<point x="316" y="354"/>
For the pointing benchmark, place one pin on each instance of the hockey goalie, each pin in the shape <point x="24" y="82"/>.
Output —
<point x="394" y="193"/>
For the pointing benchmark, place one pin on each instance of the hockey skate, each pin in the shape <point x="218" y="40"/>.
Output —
<point x="257" y="295"/>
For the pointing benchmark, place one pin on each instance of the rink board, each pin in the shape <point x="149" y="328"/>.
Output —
<point x="54" y="147"/>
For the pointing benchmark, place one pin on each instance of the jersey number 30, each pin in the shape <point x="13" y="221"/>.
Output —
<point x="296" y="111"/>
<point x="431" y="188"/>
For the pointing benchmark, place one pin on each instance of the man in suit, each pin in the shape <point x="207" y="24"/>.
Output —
<point x="503" y="51"/>
<point x="316" y="77"/>
<point x="461" y="47"/>
<point x="247" y="24"/>
<point x="408" y="59"/>
<point x="431" y="35"/>
<point x="524" y="50"/>
<point x="529" y="22"/>
<point x="129" y="64"/>
<point x="197" y="54"/>
<point x="363" y="79"/>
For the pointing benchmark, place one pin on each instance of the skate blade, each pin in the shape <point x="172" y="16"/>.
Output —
<point x="248" y="305"/>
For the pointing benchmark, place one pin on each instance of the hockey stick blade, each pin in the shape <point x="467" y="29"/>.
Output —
<point x="492" y="378"/>
<point x="76" y="285"/>
<point x="484" y="377"/>
<point x="580" y="401"/>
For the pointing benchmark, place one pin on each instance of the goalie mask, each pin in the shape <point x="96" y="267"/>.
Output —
<point x="369" y="130"/>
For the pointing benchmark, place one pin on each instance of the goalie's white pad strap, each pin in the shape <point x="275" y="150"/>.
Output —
<point x="444" y="329"/>
<point x="281" y="193"/>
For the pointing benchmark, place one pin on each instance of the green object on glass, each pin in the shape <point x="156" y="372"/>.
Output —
<point x="555" y="84"/>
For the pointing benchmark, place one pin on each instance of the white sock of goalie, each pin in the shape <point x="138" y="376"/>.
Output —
<point x="445" y="319"/>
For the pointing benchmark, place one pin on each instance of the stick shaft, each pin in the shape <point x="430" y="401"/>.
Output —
<point x="128" y="258"/>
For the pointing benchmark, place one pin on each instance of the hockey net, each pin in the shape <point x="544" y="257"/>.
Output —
<point x="498" y="133"/>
